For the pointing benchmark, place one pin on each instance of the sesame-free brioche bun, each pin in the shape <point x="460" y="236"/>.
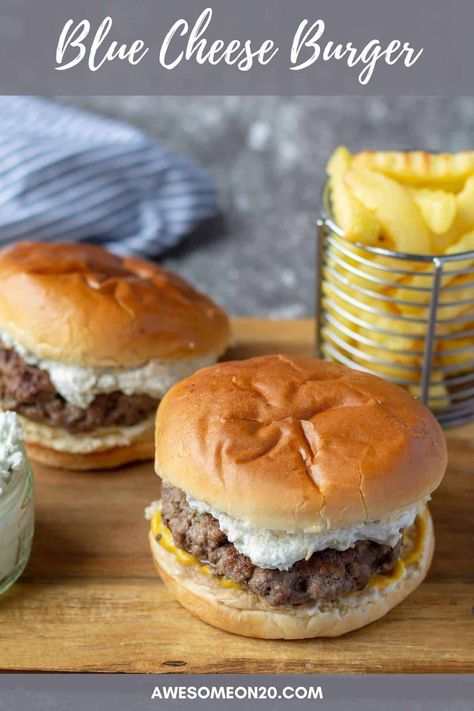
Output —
<point x="291" y="443"/>
<point x="244" y="613"/>
<point x="81" y="305"/>
<point x="106" y="459"/>
<point x="140" y="449"/>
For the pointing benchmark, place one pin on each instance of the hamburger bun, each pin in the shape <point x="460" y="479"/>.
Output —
<point x="245" y="614"/>
<point x="81" y="305"/>
<point x="141" y="450"/>
<point x="57" y="448"/>
<point x="292" y="443"/>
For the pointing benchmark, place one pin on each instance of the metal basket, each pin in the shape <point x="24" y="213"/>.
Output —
<point x="408" y="318"/>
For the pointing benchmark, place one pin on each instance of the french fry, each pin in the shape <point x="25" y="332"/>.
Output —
<point x="410" y="293"/>
<point x="371" y="271"/>
<point x="465" y="244"/>
<point x="437" y="207"/>
<point x="438" y="392"/>
<point x="394" y="207"/>
<point x="454" y="304"/>
<point x="349" y="273"/>
<point x="390" y="365"/>
<point x="399" y="339"/>
<point x="465" y="206"/>
<point x="465" y="346"/>
<point x="448" y="171"/>
<point x="462" y="223"/>
<point x="358" y="223"/>
<point x="339" y="163"/>
<point x="417" y="289"/>
<point x="385" y="354"/>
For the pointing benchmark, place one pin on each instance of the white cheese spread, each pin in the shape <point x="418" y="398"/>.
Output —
<point x="12" y="456"/>
<point x="281" y="549"/>
<point x="16" y="501"/>
<point x="80" y="385"/>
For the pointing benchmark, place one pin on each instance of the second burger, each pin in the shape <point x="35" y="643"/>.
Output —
<point x="89" y="344"/>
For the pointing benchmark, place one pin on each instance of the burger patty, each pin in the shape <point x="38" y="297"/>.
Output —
<point x="326" y="576"/>
<point x="30" y="392"/>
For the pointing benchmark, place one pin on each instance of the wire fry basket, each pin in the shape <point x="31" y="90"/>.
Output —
<point x="407" y="318"/>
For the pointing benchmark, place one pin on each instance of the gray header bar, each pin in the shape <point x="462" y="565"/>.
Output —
<point x="244" y="47"/>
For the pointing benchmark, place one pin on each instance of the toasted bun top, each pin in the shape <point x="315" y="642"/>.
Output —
<point x="82" y="305"/>
<point x="290" y="443"/>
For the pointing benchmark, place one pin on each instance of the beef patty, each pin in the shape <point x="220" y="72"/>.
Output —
<point x="30" y="392"/>
<point x="326" y="576"/>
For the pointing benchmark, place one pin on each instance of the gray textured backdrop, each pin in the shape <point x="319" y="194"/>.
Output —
<point x="268" y="155"/>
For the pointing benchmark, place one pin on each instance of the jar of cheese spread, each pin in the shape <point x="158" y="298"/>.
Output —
<point x="16" y="501"/>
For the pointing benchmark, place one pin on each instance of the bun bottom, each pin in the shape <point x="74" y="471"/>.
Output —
<point x="140" y="450"/>
<point x="246" y="614"/>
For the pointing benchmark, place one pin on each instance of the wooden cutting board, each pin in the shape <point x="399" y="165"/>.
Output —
<point x="90" y="599"/>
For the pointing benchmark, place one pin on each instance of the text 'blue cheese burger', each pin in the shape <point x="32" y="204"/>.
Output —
<point x="294" y="496"/>
<point x="89" y="344"/>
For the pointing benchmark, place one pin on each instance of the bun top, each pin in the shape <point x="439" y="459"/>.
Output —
<point x="291" y="443"/>
<point x="81" y="305"/>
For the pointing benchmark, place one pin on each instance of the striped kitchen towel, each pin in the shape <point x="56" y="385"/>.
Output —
<point x="69" y="175"/>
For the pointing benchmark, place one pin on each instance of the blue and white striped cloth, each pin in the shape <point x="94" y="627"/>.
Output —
<point x="66" y="175"/>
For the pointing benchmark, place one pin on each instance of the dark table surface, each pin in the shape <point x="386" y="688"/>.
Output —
<point x="268" y="155"/>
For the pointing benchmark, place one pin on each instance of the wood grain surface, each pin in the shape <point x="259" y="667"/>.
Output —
<point x="91" y="601"/>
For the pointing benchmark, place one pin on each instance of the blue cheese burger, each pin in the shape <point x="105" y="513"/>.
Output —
<point x="294" y="496"/>
<point x="89" y="344"/>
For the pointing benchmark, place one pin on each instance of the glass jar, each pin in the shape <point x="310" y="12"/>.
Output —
<point x="16" y="524"/>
